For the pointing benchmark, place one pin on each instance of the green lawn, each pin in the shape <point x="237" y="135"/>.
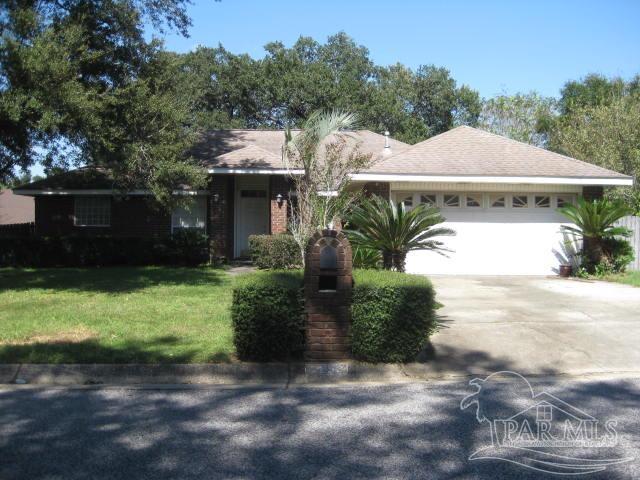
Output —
<point x="115" y="315"/>
<point x="630" y="278"/>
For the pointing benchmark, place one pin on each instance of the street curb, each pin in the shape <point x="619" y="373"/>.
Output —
<point x="215" y="374"/>
<point x="136" y="374"/>
<point x="272" y="374"/>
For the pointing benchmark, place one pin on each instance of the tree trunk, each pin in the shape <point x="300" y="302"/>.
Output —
<point x="387" y="260"/>
<point x="399" y="261"/>
<point x="593" y="251"/>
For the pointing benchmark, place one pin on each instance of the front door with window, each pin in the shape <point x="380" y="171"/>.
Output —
<point x="251" y="211"/>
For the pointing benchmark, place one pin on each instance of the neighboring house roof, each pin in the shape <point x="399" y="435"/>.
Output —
<point x="229" y="148"/>
<point x="15" y="208"/>
<point x="470" y="151"/>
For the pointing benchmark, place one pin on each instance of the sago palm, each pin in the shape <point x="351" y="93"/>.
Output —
<point x="379" y="224"/>
<point x="594" y="222"/>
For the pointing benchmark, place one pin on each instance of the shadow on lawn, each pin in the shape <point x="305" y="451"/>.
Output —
<point x="92" y="351"/>
<point x="108" y="280"/>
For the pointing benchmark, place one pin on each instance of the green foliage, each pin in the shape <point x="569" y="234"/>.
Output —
<point x="595" y="218"/>
<point x="392" y="315"/>
<point x="288" y="84"/>
<point x="378" y="224"/>
<point x="607" y="135"/>
<point x="275" y="252"/>
<point x="267" y="315"/>
<point x="618" y="253"/>
<point x="186" y="248"/>
<point x="81" y="85"/>
<point x="522" y="117"/>
<point x="366" y="258"/>
<point x="595" y="223"/>
<point x="595" y="90"/>
<point x="328" y="154"/>
<point x="115" y="315"/>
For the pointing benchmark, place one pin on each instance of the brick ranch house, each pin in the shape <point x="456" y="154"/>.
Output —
<point x="499" y="195"/>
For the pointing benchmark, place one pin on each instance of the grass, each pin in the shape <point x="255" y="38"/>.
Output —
<point x="115" y="315"/>
<point x="628" y="278"/>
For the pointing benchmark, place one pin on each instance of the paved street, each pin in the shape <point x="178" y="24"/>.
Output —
<point x="366" y="431"/>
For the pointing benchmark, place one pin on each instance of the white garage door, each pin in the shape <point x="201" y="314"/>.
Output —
<point x="497" y="234"/>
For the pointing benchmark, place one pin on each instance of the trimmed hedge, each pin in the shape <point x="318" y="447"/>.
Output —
<point x="393" y="315"/>
<point x="184" y="248"/>
<point x="275" y="252"/>
<point x="267" y="314"/>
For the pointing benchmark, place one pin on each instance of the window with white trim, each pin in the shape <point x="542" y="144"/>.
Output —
<point x="473" y="200"/>
<point x="451" y="201"/>
<point x="498" y="201"/>
<point x="542" y="201"/>
<point x="192" y="215"/>
<point x="520" y="201"/>
<point x="92" y="211"/>
<point x="429" y="199"/>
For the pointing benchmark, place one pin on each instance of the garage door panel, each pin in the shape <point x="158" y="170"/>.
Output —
<point x="483" y="245"/>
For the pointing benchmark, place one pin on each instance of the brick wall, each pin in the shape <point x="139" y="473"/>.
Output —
<point x="278" y="185"/>
<point x="220" y="215"/>
<point x="382" y="189"/>
<point x="130" y="216"/>
<point x="328" y="313"/>
<point x="592" y="192"/>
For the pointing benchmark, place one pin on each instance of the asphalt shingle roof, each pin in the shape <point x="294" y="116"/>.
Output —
<point x="470" y="151"/>
<point x="230" y="148"/>
<point x="462" y="151"/>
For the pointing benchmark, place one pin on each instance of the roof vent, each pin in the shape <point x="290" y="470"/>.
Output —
<point x="387" y="147"/>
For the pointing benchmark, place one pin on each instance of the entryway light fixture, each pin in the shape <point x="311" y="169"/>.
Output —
<point x="279" y="199"/>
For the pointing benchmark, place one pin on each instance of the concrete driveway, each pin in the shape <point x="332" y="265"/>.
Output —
<point x="536" y="325"/>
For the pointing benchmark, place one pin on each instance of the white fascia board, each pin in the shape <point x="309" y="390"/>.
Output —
<point x="383" y="177"/>
<point x="256" y="171"/>
<point x="103" y="192"/>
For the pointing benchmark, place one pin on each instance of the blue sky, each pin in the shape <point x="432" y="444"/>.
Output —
<point x="493" y="46"/>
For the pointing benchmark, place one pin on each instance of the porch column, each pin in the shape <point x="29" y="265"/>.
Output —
<point x="278" y="185"/>
<point x="220" y="228"/>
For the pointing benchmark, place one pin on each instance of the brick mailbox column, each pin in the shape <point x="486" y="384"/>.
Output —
<point x="327" y="286"/>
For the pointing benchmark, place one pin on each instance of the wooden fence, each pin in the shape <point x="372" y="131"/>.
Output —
<point x="633" y="223"/>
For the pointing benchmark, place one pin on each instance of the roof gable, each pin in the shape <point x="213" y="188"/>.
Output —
<point x="470" y="151"/>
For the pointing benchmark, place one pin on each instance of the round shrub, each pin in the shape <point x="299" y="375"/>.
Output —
<point x="393" y="315"/>
<point x="618" y="254"/>
<point x="267" y="314"/>
<point x="275" y="252"/>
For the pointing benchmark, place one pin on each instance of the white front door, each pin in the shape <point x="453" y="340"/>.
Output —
<point x="251" y="211"/>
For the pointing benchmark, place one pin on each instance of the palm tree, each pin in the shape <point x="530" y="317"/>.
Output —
<point x="594" y="223"/>
<point x="378" y="224"/>
<point x="320" y="160"/>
